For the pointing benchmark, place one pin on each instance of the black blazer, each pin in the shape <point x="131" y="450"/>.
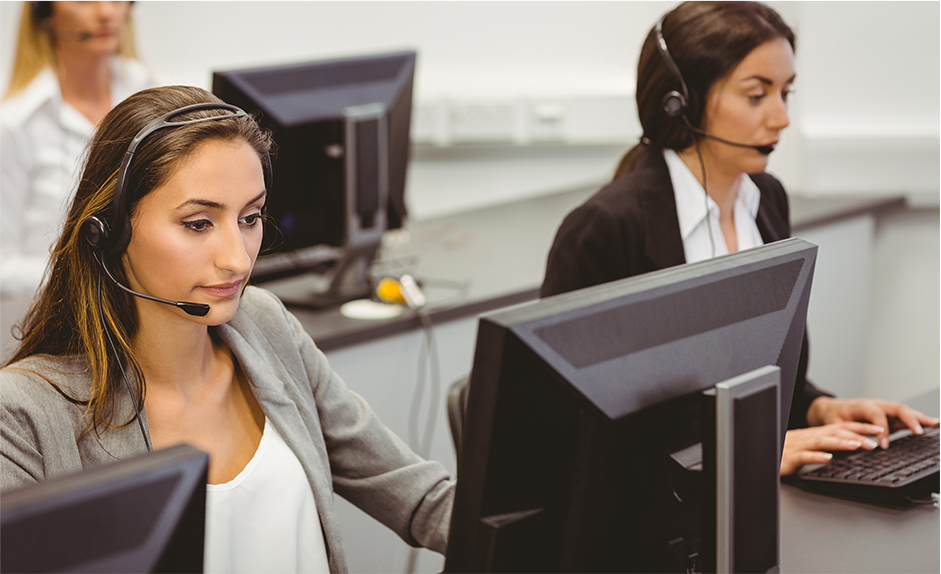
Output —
<point x="630" y="227"/>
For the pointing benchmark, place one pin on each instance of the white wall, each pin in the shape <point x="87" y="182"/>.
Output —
<point x="560" y="74"/>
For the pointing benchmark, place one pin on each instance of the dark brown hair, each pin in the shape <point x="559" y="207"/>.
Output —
<point x="706" y="40"/>
<point x="66" y="318"/>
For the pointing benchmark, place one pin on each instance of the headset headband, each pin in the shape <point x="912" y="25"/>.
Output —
<point x="118" y="219"/>
<point x="674" y="103"/>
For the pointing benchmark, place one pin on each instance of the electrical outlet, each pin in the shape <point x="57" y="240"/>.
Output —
<point x="483" y="121"/>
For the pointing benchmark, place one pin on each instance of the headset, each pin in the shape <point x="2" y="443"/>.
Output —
<point x="41" y="11"/>
<point x="110" y="236"/>
<point x="676" y="103"/>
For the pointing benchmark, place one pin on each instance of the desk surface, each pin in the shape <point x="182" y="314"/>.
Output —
<point x="821" y="533"/>
<point x="494" y="257"/>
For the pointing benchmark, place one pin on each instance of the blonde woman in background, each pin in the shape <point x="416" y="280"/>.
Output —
<point x="74" y="61"/>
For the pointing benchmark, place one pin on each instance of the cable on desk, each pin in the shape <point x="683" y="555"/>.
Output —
<point x="393" y="267"/>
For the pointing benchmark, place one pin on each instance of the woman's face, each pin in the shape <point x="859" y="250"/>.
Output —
<point x="750" y="106"/>
<point x="93" y="27"/>
<point x="196" y="237"/>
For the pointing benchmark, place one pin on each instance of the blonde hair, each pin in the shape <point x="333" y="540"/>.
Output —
<point x="35" y="50"/>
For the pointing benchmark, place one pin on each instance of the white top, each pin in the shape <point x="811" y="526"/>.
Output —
<point x="42" y="147"/>
<point x="265" y="519"/>
<point x="691" y="201"/>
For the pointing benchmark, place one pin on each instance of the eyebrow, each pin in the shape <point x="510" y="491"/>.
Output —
<point x="768" y="81"/>
<point x="213" y="204"/>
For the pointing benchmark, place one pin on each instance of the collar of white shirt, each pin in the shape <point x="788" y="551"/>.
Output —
<point x="44" y="92"/>
<point x="691" y="199"/>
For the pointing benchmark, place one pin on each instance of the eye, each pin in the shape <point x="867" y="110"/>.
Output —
<point x="756" y="98"/>
<point x="251" y="220"/>
<point x="786" y="93"/>
<point x="197" y="225"/>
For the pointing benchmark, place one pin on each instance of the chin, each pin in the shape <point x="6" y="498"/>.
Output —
<point x="219" y="313"/>
<point x="758" y="165"/>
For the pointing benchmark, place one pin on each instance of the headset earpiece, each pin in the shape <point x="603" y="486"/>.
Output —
<point x="675" y="104"/>
<point x="96" y="232"/>
<point x="40" y="11"/>
<point x="121" y="241"/>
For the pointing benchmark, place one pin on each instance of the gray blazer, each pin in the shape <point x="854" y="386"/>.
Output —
<point x="336" y="436"/>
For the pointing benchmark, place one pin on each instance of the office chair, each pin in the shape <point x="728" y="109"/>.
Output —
<point x="457" y="407"/>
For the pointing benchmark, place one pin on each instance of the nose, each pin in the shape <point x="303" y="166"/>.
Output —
<point x="107" y="10"/>
<point x="778" y="118"/>
<point x="234" y="251"/>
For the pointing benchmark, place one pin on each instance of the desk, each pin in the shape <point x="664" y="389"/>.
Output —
<point x="821" y="533"/>
<point x="501" y="253"/>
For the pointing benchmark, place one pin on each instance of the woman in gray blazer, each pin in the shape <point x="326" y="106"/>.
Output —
<point x="146" y="334"/>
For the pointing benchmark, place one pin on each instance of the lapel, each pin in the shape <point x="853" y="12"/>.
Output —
<point x="294" y="416"/>
<point x="768" y="220"/>
<point x="663" y="244"/>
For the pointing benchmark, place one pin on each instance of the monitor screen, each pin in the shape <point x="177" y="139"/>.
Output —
<point x="579" y="403"/>
<point x="341" y="129"/>
<point x="144" y="514"/>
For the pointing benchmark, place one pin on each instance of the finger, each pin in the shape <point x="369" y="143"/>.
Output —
<point x="833" y="443"/>
<point x="927" y="421"/>
<point x="864" y="441"/>
<point x="792" y="461"/>
<point x="875" y="413"/>
<point x="909" y="417"/>
<point x="866" y="429"/>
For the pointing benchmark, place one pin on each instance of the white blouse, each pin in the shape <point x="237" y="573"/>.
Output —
<point x="265" y="519"/>
<point x="42" y="149"/>
<point x="700" y="232"/>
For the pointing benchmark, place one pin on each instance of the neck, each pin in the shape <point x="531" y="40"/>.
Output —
<point x="174" y="354"/>
<point x="720" y="184"/>
<point x="85" y="81"/>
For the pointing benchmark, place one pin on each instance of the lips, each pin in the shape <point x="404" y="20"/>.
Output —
<point x="223" y="290"/>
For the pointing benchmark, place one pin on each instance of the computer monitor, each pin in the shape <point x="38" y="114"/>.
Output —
<point x="144" y="514"/>
<point x="342" y="132"/>
<point x="582" y="407"/>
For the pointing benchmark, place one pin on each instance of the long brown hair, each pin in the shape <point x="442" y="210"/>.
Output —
<point x="706" y="40"/>
<point x="35" y="48"/>
<point x="67" y="318"/>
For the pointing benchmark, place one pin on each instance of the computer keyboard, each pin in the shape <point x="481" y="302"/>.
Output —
<point x="909" y="467"/>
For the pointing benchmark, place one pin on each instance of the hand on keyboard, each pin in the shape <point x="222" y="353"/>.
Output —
<point x="909" y="467"/>
<point x="812" y="445"/>
<point x="889" y="415"/>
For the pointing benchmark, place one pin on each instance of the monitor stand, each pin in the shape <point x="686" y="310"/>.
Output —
<point x="741" y="451"/>
<point x="334" y="277"/>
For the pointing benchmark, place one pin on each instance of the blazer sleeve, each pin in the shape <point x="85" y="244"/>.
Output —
<point x="41" y="432"/>
<point x="21" y="422"/>
<point x="587" y="250"/>
<point x="371" y="466"/>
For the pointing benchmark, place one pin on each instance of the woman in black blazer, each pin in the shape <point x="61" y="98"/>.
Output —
<point x="712" y="86"/>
